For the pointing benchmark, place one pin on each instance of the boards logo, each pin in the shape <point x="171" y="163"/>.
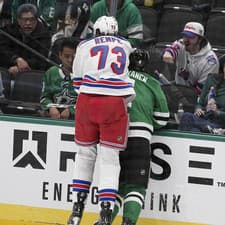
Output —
<point x="197" y="164"/>
<point x="29" y="148"/>
<point x="165" y="166"/>
<point x="200" y="172"/>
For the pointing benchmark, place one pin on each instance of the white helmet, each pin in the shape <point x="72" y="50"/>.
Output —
<point x="105" y="25"/>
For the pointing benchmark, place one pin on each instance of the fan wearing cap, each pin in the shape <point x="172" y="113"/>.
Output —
<point x="193" y="56"/>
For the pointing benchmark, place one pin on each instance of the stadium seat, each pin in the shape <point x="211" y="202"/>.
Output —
<point x="176" y="94"/>
<point x="173" y="21"/>
<point x="220" y="52"/>
<point x="202" y="6"/>
<point x="138" y="2"/>
<point x="156" y="64"/>
<point x="219" y="4"/>
<point x="25" y="96"/>
<point x="150" y="22"/>
<point x="202" y="2"/>
<point x="189" y="3"/>
<point x="6" y="81"/>
<point x="180" y="2"/>
<point x="215" y="29"/>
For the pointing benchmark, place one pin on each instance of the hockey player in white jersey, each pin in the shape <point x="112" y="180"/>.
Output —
<point x="100" y="76"/>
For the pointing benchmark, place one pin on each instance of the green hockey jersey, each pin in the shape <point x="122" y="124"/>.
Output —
<point x="149" y="109"/>
<point x="128" y="17"/>
<point x="57" y="90"/>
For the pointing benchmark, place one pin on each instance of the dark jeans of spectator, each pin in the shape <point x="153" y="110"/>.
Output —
<point x="191" y="122"/>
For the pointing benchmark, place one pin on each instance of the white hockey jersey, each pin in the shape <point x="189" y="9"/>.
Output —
<point x="193" y="69"/>
<point x="101" y="67"/>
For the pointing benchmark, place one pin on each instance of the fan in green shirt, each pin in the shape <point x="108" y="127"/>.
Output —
<point x="128" y="17"/>
<point x="58" y="96"/>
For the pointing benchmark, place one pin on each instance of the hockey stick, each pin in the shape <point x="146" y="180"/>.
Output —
<point x="173" y="91"/>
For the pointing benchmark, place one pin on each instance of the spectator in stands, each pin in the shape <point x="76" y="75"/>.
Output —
<point x="71" y="20"/>
<point x="193" y="56"/>
<point x="210" y="111"/>
<point x="128" y="17"/>
<point x="46" y="10"/>
<point x="58" y="96"/>
<point x="29" y="31"/>
<point x="5" y="12"/>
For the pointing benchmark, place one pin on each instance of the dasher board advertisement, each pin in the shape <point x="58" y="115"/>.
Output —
<point x="186" y="184"/>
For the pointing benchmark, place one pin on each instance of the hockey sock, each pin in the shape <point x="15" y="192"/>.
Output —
<point x="133" y="202"/>
<point x="109" y="169"/>
<point x="83" y="170"/>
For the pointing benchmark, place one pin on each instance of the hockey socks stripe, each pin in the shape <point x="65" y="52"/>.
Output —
<point x="136" y="197"/>
<point x="107" y="195"/>
<point x="81" y="185"/>
<point x="119" y="201"/>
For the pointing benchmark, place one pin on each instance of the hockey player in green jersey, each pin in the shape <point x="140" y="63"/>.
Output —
<point x="149" y="111"/>
<point x="58" y="96"/>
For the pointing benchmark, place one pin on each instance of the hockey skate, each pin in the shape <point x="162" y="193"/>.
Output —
<point x="105" y="214"/>
<point x="78" y="209"/>
<point x="127" y="221"/>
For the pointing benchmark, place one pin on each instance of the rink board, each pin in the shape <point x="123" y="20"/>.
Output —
<point x="186" y="186"/>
